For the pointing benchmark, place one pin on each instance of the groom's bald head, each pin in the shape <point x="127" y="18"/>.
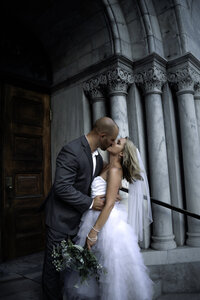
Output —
<point x="105" y="125"/>
<point x="107" y="131"/>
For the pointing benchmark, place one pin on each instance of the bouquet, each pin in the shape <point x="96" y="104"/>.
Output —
<point x="74" y="257"/>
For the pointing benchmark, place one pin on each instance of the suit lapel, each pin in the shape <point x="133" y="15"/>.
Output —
<point x="99" y="163"/>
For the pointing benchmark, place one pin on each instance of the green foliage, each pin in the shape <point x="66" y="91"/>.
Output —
<point x="74" y="257"/>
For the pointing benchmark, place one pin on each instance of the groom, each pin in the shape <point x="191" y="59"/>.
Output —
<point x="77" y="164"/>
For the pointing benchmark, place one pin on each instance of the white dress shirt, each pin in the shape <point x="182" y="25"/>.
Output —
<point x="94" y="159"/>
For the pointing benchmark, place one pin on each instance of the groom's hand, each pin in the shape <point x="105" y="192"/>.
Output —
<point x="118" y="198"/>
<point x="99" y="202"/>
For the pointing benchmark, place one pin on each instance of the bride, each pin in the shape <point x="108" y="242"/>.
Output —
<point x="113" y="234"/>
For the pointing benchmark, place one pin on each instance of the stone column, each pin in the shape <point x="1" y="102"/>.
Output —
<point x="174" y="162"/>
<point x="197" y="105"/>
<point x="185" y="78"/>
<point x="98" y="107"/>
<point x="151" y="79"/>
<point x="99" y="110"/>
<point x="118" y="81"/>
<point x="94" y="89"/>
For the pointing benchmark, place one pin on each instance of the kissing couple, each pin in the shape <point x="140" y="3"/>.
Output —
<point x="84" y="206"/>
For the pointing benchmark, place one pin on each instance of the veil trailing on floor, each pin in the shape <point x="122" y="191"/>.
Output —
<point x="139" y="205"/>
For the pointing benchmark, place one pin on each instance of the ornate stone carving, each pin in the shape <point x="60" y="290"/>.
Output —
<point x="96" y="94"/>
<point x="151" y="80"/>
<point x="94" y="87"/>
<point x="183" y="78"/>
<point x="118" y="80"/>
<point x="115" y="81"/>
<point x="197" y="90"/>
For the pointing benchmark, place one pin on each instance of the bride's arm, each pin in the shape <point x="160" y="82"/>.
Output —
<point x="113" y="185"/>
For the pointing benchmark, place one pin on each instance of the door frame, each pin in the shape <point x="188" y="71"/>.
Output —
<point x="1" y="165"/>
<point x="27" y="86"/>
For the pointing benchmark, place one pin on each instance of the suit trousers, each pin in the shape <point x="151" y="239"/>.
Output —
<point x="52" y="282"/>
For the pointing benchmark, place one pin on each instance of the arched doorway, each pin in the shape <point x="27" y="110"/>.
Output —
<point x="50" y="48"/>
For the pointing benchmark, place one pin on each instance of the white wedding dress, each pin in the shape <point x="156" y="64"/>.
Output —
<point x="118" y="251"/>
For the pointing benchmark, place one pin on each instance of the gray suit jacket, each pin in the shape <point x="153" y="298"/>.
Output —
<point x="69" y="196"/>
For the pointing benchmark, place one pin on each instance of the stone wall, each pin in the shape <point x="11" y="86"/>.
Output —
<point x="174" y="271"/>
<point x="70" y="118"/>
<point x="75" y="35"/>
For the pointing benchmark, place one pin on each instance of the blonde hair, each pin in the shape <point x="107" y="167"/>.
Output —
<point x="130" y="163"/>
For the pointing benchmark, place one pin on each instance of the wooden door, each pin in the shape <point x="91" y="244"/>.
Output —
<point x="26" y="170"/>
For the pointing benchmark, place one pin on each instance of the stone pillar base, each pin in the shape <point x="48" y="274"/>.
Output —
<point x="193" y="239"/>
<point x="163" y="242"/>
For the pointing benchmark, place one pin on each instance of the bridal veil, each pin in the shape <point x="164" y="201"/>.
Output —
<point x="139" y="205"/>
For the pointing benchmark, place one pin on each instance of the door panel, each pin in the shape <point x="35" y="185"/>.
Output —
<point x="26" y="170"/>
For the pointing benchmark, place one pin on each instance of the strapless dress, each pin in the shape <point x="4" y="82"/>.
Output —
<point x="118" y="251"/>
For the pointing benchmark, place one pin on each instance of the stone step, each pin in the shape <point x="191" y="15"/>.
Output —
<point x="157" y="288"/>
<point x="195" y="296"/>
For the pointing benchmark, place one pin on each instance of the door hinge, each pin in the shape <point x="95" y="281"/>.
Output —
<point x="50" y="115"/>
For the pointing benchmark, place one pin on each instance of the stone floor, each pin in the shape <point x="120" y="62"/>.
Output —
<point x="20" y="279"/>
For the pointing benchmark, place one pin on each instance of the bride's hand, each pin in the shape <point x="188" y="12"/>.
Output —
<point x="118" y="198"/>
<point x="91" y="239"/>
<point x="90" y="244"/>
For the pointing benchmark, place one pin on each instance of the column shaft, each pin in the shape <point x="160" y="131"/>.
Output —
<point x="197" y="107"/>
<point x="98" y="109"/>
<point x="163" y="237"/>
<point x="118" y="82"/>
<point x="191" y="162"/>
<point x="119" y="113"/>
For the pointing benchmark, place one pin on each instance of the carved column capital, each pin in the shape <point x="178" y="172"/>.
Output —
<point x="151" y="79"/>
<point x="95" y="87"/>
<point x="118" y="81"/>
<point x="197" y="90"/>
<point x="183" y="79"/>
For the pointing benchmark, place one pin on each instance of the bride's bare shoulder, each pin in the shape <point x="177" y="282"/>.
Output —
<point x="115" y="171"/>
